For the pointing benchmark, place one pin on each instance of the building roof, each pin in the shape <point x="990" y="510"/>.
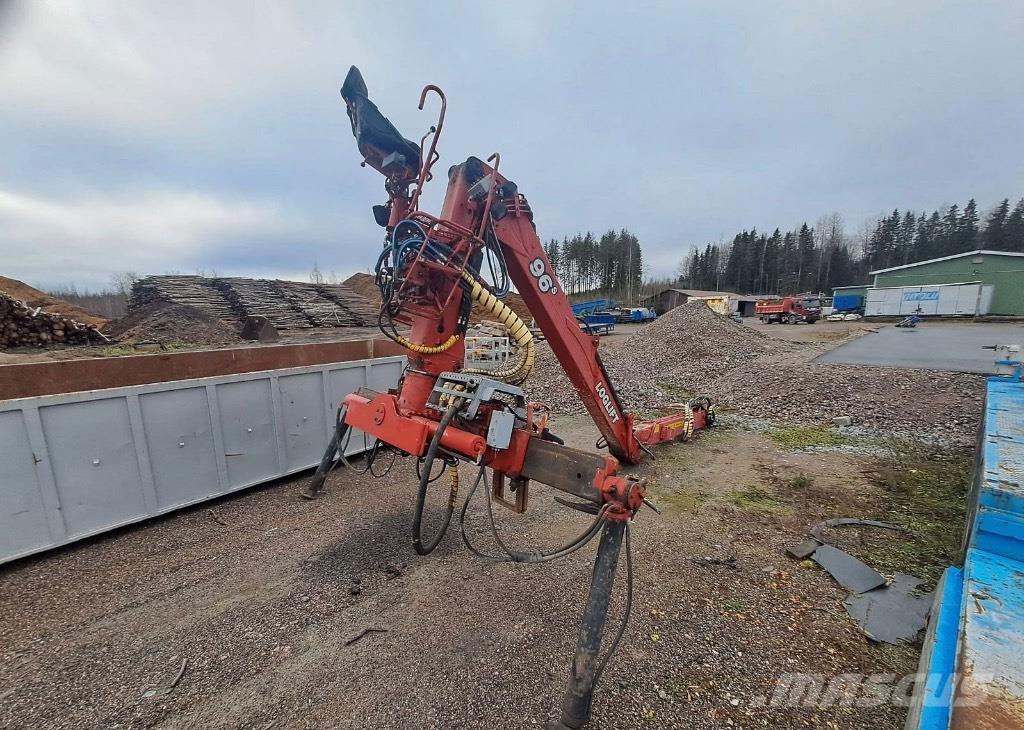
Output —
<point x="977" y="252"/>
<point x="851" y="286"/>
<point x="700" y="293"/>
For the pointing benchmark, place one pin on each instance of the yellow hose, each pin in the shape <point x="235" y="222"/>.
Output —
<point x="493" y="306"/>
<point x="517" y="328"/>
<point x="426" y="349"/>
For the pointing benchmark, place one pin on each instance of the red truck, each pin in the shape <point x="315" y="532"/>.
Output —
<point x="789" y="310"/>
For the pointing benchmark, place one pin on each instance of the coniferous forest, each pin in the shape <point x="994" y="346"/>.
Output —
<point x="819" y="257"/>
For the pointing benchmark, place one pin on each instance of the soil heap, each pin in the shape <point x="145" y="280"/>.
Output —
<point x="172" y="323"/>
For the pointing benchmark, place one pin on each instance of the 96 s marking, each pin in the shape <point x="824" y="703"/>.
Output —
<point x="545" y="282"/>
<point x="606" y="400"/>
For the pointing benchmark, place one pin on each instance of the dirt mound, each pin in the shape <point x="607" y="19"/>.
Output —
<point x="169" y="323"/>
<point x="364" y="284"/>
<point x="35" y="298"/>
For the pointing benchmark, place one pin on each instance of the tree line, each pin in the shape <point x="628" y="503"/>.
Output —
<point x="610" y="265"/>
<point x="817" y="258"/>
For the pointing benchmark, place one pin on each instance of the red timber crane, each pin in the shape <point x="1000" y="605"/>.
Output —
<point x="430" y="274"/>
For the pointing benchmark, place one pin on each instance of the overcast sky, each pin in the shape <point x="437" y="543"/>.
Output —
<point x="179" y="136"/>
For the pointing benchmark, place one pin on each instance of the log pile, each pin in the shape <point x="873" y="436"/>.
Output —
<point x="262" y="298"/>
<point x="191" y="291"/>
<point x="285" y="304"/>
<point x="360" y="308"/>
<point x="328" y="305"/>
<point x="25" y="326"/>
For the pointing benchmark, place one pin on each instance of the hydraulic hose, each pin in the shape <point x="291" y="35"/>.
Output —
<point x="514" y="556"/>
<point x="421" y="495"/>
<point x="426" y="349"/>
<point x="517" y="328"/>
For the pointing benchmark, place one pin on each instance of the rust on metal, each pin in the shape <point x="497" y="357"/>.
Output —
<point x="71" y="376"/>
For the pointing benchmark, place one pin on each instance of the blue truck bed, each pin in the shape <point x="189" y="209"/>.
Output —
<point x="973" y="657"/>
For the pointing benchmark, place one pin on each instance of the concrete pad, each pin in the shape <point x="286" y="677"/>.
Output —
<point x="931" y="346"/>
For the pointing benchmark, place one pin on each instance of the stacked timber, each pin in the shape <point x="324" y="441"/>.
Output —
<point x="191" y="291"/>
<point x="285" y="304"/>
<point x="360" y="309"/>
<point x="320" y="309"/>
<point x="25" y="326"/>
<point x="263" y="298"/>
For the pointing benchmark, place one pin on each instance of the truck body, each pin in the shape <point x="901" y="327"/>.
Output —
<point x="789" y="310"/>
<point x="593" y="306"/>
<point x="848" y="303"/>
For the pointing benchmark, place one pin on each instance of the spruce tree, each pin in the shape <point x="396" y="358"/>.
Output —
<point x="1014" y="230"/>
<point x="995" y="226"/>
<point x="967" y="238"/>
<point x="950" y="231"/>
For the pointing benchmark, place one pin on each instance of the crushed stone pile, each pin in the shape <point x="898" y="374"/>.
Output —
<point x="691" y="351"/>
<point x="688" y="344"/>
<point x="172" y="323"/>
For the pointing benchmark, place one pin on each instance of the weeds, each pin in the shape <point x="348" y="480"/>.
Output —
<point x="800" y="482"/>
<point x="929" y="498"/>
<point x="753" y="499"/>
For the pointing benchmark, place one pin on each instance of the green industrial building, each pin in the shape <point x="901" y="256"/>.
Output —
<point x="1002" y="270"/>
<point x="1000" y="273"/>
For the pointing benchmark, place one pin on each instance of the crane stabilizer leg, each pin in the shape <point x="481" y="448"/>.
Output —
<point x="586" y="668"/>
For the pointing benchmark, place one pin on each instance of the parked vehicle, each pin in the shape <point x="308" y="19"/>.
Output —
<point x="599" y="323"/>
<point x="789" y="310"/>
<point x="848" y="303"/>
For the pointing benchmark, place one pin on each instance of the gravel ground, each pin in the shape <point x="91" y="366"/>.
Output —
<point x="691" y="351"/>
<point x="261" y="594"/>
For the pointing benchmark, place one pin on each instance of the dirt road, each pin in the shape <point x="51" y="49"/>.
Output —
<point x="260" y="594"/>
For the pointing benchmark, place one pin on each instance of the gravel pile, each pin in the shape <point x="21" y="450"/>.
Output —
<point x="689" y="344"/>
<point x="692" y="351"/>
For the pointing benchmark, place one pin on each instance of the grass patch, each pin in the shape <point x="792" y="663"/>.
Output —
<point x="802" y="437"/>
<point x="753" y="499"/>
<point x="928" y="497"/>
<point x="800" y="482"/>
<point x="732" y="604"/>
<point x="679" y="501"/>
<point x="122" y="350"/>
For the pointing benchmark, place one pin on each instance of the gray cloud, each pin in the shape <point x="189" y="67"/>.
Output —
<point x="159" y="136"/>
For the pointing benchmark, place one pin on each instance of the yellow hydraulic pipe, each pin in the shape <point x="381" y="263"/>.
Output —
<point x="517" y="328"/>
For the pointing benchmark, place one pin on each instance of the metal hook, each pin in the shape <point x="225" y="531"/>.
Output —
<point x="432" y="156"/>
<point x="496" y="159"/>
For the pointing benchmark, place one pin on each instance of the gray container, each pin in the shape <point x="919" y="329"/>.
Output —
<point x="78" y="464"/>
